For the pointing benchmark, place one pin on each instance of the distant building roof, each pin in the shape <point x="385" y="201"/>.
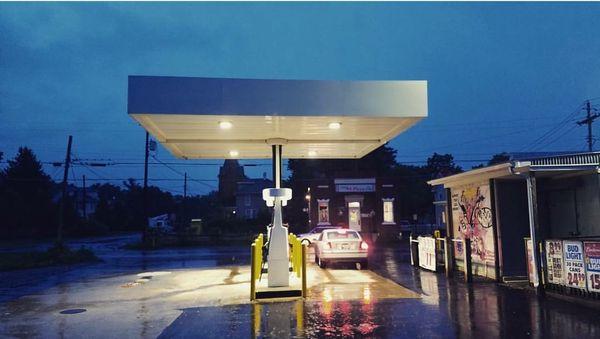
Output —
<point x="251" y="186"/>
<point x="534" y="155"/>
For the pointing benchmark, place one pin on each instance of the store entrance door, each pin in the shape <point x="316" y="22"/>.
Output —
<point x="354" y="216"/>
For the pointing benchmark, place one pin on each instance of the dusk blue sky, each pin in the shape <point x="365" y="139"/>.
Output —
<point x="500" y="75"/>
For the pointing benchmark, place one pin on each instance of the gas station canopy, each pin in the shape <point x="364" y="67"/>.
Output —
<point x="239" y="118"/>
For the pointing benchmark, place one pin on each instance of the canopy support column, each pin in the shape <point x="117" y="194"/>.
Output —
<point x="278" y="257"/>
<point x="276" y="165"/>
<point x="534" y="230"/>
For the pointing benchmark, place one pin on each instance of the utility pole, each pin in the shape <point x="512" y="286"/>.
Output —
<point x="84" y="200"/>
<point x="145" y="192"/>
<point x="184" y="186"/>
<point x="61" y="219"/>
<point x="588" y="121"/>
<point x="184" y="204"/>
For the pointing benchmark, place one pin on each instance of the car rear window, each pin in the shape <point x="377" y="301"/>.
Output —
<point x="342" y="235"/>
<point x="319" y="229"/>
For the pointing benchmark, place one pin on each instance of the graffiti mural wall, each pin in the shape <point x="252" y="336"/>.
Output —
<point x="472" y="218"/>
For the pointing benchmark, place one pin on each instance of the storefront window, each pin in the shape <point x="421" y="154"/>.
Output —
<point x="323" y="211"/>
<point x="388" y="211"/>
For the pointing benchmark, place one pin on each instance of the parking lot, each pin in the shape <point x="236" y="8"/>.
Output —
<point x="205" y="292"/>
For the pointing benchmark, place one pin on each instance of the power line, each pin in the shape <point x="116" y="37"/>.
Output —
<point x="555" y="139"/>
<point x="589" y="120"/>
<point x="553" y="130"/>
<point x="182" y="174"/>
<point x="487" y="138"/>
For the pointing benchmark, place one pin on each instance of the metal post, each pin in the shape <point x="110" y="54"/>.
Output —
<point x="410" y="247"/>
<point x="184" y="186"/>
<point x="533" y="227"/>
<point x="448" y="262"/>
<point x="309" y="216"/>
<point x="495" y="225"/>
<point x="414" y="251"/>
<point x="145" y="193"/>
<point x="276" y="165"/>
<point x="467" y="260"/>
<point x="84" y="200"/>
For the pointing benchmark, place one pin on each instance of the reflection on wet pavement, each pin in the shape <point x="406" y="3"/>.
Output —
<point x="209" y="298"/>
<point x="399" y="319"/>
<point x="356" y="285"/>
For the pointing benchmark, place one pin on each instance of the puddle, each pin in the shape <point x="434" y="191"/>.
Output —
<point x="73" y="311"/>
<point x="149" y="275"/>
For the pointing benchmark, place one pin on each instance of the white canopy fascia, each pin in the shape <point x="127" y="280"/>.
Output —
<point x="184" y="115"/>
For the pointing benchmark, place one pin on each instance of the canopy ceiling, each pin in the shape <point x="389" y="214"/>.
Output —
<point x="184" y="114"/>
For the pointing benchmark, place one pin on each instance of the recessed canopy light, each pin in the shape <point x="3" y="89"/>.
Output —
<point x="225" y="124"/>
<point x="335" y="125"/>
<point x="312" y="153"/>
<point x="233" y="153"/>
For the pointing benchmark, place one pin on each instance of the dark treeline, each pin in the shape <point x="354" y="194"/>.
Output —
<point x="29" y="203"/>
<point x="29" y="198"/>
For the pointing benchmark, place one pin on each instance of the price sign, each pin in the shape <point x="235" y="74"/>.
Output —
<point x="555" y="262"/>
<point x="427" y="253"/>
<point x="574" y="266"/>
<point x="592" y="265"/>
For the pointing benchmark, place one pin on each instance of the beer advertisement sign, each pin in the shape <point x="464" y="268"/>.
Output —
<point x="555" y="262"/>
<point x="574" y="266"/>
<point x="592" y="265"/>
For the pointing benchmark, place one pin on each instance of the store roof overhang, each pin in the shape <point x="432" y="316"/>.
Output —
<point x="476" y="175"/>
<point x="184" y="114"/>
<point x="559" y="166"/>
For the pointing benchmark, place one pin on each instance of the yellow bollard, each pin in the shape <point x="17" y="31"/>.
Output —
<point x="259" y="260"/>
<point x="252" y="271"/>
<point x="256" y="315"/>
<point x="299" y="261"/>
<point x="299" y="316"/>
<point x="304" y="271"/>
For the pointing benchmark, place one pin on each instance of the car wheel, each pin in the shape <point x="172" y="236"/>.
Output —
<point x="362" y="265"/>
<point x="321" y="263"/>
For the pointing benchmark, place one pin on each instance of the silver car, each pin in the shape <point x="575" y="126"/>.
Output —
<point x="313" y="235"/>
<point x="341" y="245"/>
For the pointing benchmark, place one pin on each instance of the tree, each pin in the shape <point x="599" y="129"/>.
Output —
<point x="111" y="210"/>
<point x="499" y="158"/>
<point x="442" y="165"/>
<point x="26" y="206"/>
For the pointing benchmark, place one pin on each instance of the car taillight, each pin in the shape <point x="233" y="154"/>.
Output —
<point x="364" y="245"/>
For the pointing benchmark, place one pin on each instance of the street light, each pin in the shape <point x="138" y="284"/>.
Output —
<point x="308" y="201"/>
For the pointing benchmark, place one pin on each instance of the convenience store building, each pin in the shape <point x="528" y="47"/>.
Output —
<point x="537" y="217"/>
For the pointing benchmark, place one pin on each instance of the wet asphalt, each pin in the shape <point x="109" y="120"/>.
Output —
<point x="202" y="292"/>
